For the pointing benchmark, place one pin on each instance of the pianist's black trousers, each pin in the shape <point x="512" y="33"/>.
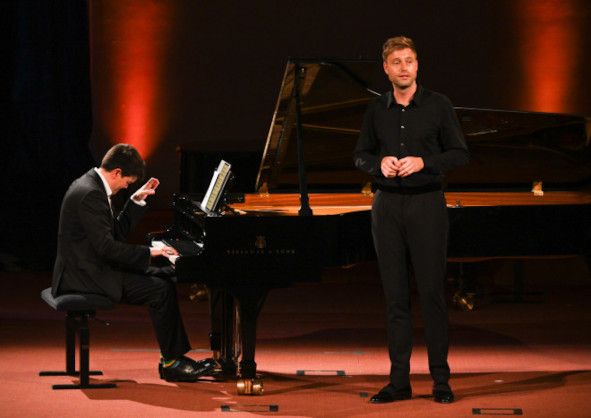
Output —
<point x="410" y="234"/>
<point x="157" y="290"/>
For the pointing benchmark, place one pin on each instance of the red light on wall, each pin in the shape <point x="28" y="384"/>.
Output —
<point x="550" y="39"/>
<point x="136" y="35"/>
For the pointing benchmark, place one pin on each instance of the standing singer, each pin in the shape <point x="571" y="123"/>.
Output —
<point x="409" y="139"/>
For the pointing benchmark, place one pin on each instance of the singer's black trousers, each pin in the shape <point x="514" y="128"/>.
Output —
<point x="410" y="236"/>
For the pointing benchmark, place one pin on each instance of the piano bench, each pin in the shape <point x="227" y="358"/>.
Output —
<point x="79" y="307"/>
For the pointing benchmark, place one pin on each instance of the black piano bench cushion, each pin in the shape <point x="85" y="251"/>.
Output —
<point x="76" y="301"/>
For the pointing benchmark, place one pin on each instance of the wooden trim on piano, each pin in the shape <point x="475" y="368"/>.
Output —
<point x="336" y="203"/>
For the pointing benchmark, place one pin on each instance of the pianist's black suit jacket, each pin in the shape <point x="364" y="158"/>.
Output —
<point x="92" y="256"/>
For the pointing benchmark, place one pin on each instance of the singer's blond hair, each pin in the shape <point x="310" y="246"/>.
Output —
<point x="396" y="43"/>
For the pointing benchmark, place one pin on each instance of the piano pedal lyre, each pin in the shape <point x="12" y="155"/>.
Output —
<point x="249" y="387"/>
<point x="218" y="373"/>
<point x="198" y="293"/>
<point x="217" y="356"/>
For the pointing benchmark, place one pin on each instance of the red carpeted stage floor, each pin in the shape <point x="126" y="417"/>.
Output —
<point x="531" y="358"/>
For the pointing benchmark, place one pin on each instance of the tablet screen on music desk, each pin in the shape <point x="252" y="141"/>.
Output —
<point x="216" y="187"/>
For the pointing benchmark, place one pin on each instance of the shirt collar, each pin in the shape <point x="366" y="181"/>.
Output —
<point x="104" y="180"/>
<point x="416" y="100"/>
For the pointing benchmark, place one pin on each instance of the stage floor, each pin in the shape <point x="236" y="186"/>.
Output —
<point x="321" y="350"/>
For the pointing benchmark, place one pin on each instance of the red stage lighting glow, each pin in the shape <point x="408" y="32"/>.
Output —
<point x="138" y="33"/>
<point x="550" y="37"/>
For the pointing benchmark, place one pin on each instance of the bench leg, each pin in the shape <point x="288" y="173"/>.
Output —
<point x="78" y="322"/>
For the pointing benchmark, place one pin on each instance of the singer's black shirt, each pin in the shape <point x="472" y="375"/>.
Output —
<point x="428" y="127"/>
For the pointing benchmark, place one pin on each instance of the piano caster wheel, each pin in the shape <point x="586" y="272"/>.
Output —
<point x="465" y="301"/>
<point x="249" y="387"/>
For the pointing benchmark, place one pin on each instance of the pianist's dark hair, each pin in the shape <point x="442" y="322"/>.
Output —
<point x="125" y="157"/>
<point x="396" y="43"/>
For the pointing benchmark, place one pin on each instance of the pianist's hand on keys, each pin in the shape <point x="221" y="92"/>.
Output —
<point x="159" y="248"/>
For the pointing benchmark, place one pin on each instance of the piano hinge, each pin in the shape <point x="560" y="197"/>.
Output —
<point x="366" y="190"/>
<point x="264" y="190"/>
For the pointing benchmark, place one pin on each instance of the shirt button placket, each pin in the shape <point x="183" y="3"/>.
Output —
<point x="403" y="152"/>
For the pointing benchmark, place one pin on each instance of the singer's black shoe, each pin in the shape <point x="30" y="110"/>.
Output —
<point x="186" y="370"/>
<point x="389" y="394"/>
<point x="443" y="396"/>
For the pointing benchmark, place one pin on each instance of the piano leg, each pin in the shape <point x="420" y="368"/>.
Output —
<point x="250" y="302"/>
<point x="464" y="296"/>
<point x="223" y="330"/>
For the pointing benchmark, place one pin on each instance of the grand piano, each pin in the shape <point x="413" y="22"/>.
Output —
<point x="309" y="208"/>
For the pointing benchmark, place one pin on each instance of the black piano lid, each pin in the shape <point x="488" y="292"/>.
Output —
<point x="510" y="149"/>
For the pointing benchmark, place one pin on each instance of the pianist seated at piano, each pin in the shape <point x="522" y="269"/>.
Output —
<point x="94" y="257"/>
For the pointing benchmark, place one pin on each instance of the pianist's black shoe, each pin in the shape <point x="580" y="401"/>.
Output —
<point x="389" y="394"/>
<point x="186" y="370"/>
<point x="443" y="396"/>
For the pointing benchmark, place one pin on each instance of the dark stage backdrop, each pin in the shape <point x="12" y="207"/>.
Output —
<point x="45" y="122"/>
<point x="169" y="73"/>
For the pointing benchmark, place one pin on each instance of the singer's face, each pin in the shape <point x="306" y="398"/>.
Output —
<point x="401" y="67"/>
